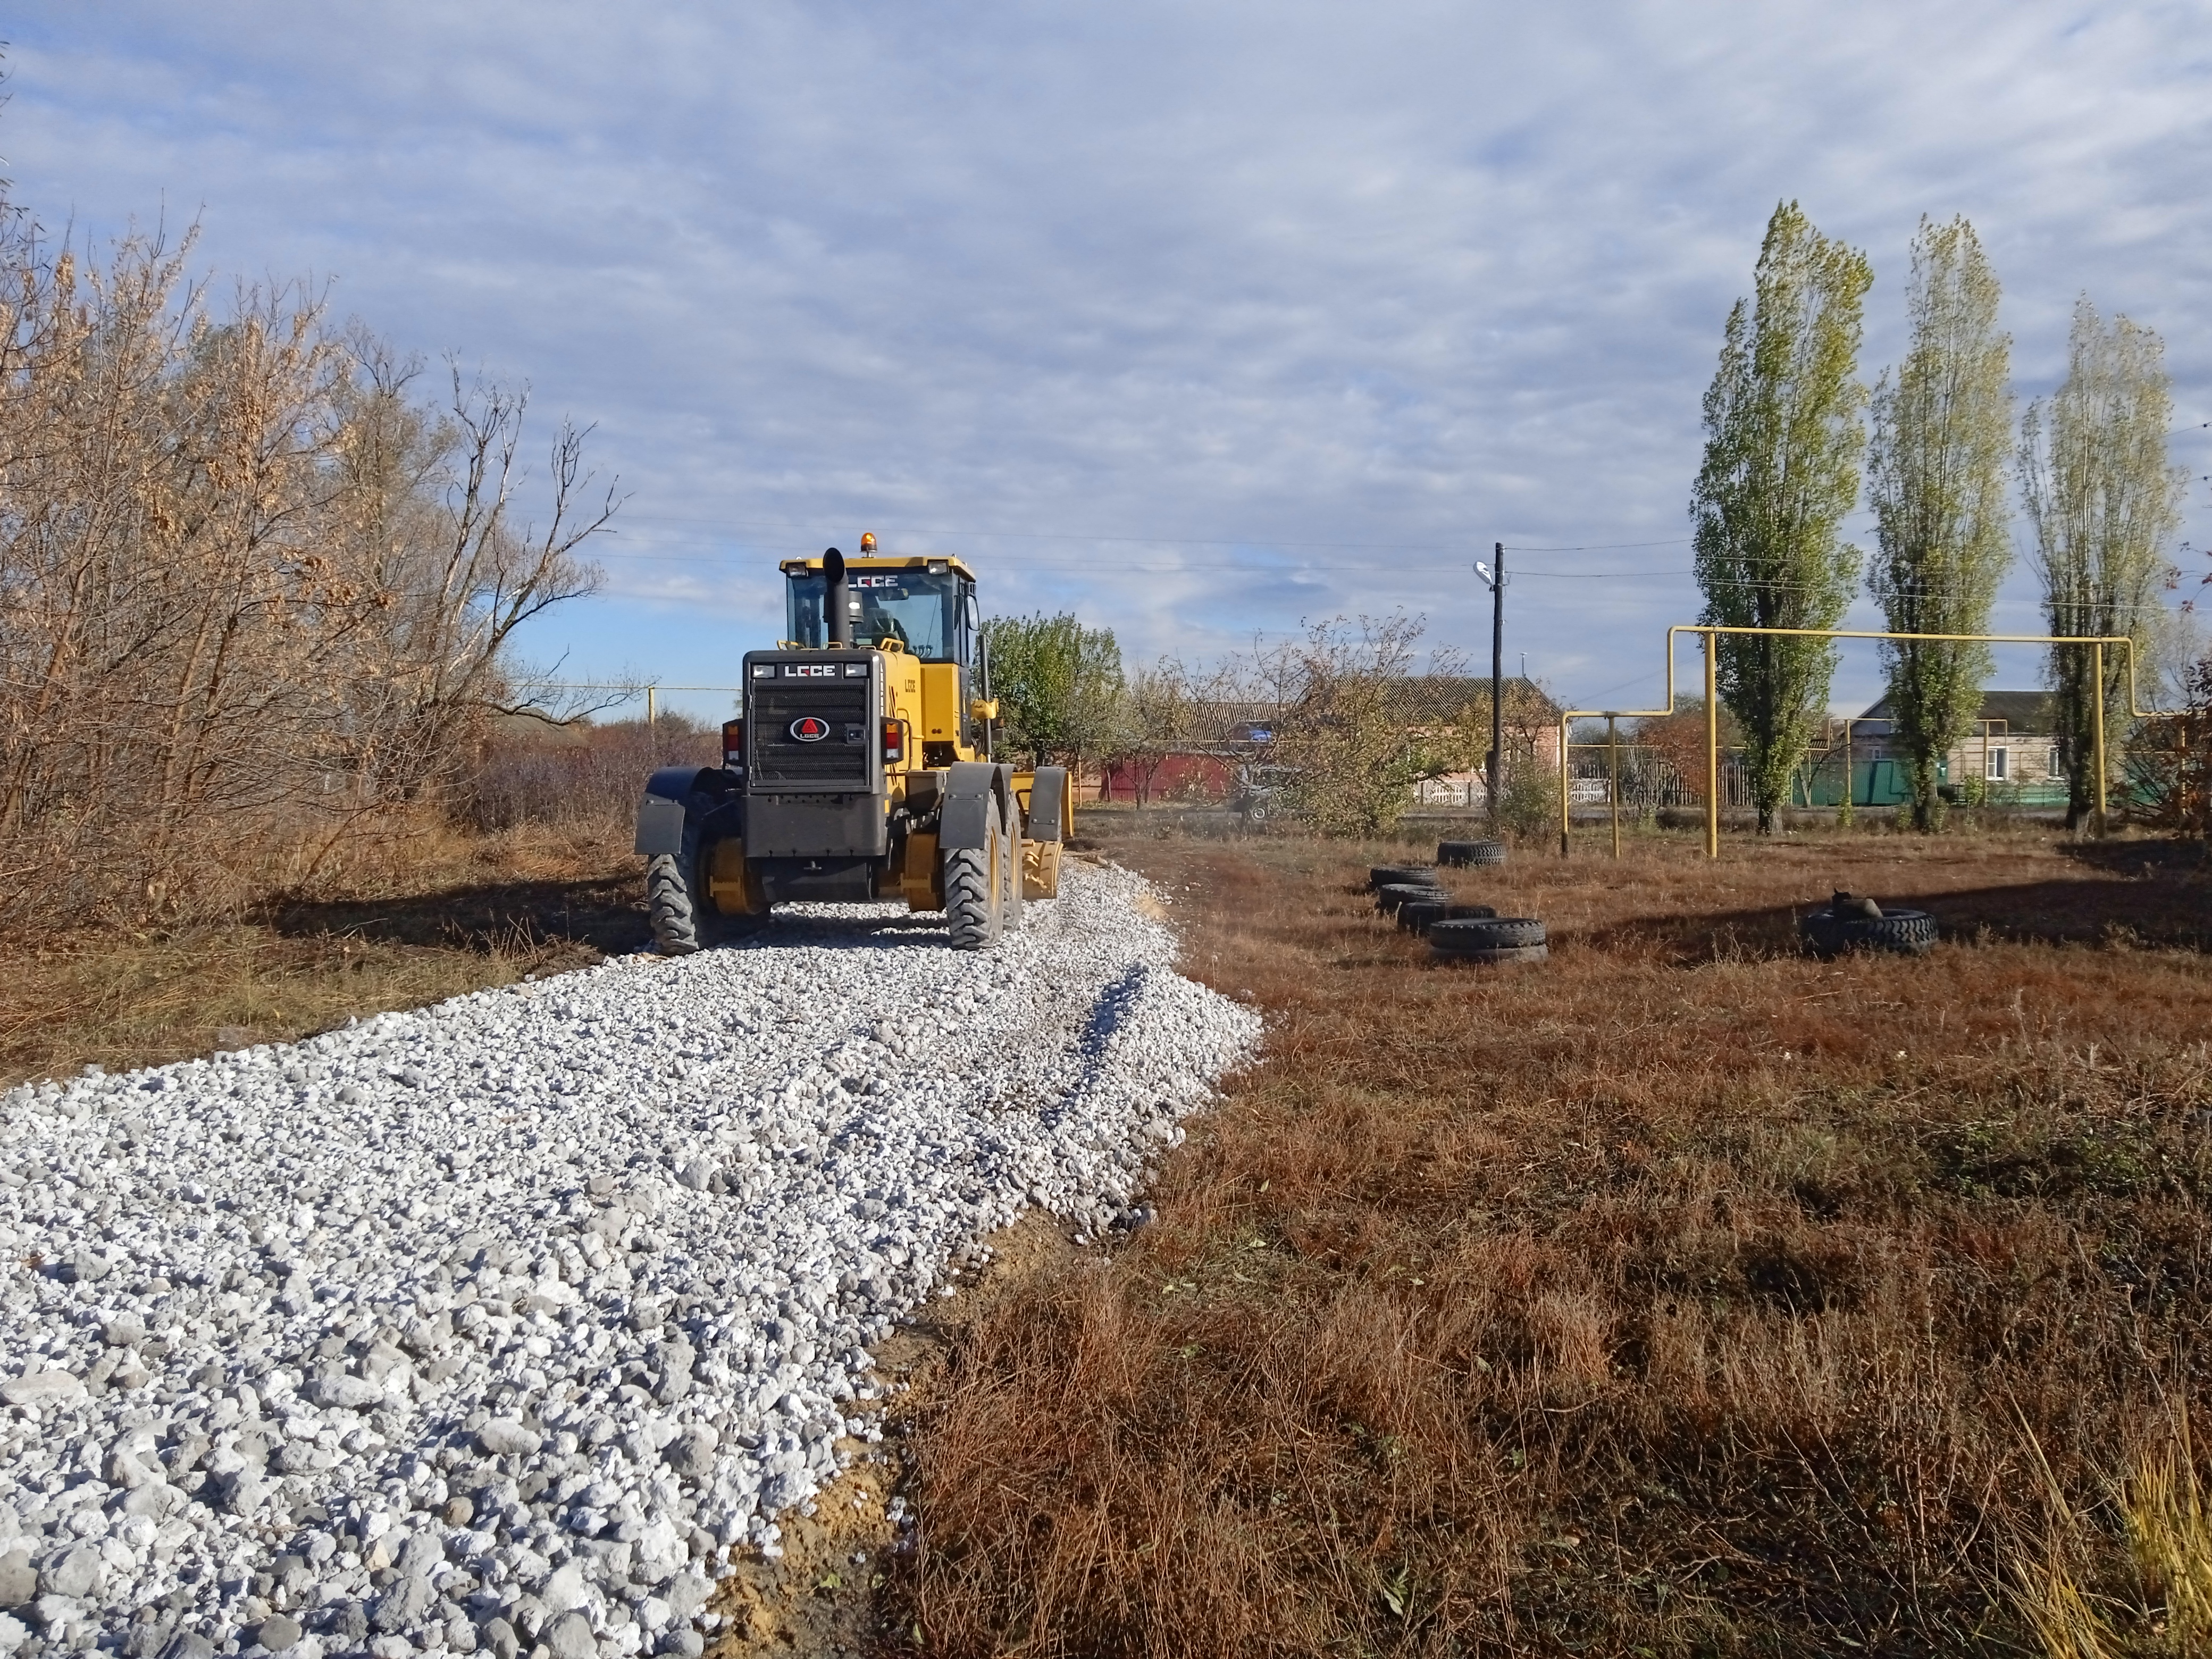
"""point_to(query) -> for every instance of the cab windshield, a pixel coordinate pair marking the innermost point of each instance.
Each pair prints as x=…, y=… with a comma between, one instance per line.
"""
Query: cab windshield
x=925, y=615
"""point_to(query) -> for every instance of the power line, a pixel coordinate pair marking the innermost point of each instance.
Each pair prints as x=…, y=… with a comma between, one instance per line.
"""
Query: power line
x=1054, y=535
x=1600, y=547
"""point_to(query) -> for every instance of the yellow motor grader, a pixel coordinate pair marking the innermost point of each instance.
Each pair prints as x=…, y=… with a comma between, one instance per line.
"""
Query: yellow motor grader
x=860, y=767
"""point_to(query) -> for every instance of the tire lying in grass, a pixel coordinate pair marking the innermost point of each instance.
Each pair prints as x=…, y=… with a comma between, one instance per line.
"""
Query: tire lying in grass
x=1390, y=895
x=1907, y=931
x=1417, y=916
x=1489, y=938
x=1391, y=875
x=1414, y=916
x=1470, y=851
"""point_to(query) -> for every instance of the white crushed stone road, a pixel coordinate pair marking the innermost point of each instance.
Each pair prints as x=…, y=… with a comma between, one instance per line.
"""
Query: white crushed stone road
x=498, y=1325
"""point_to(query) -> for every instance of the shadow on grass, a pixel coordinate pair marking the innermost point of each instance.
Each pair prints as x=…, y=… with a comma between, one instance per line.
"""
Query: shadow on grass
x=2188, y=861
x=2157, y=910
x=606, y=915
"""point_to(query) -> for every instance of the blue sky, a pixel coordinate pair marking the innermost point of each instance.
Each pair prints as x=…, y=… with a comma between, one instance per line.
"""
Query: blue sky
x=1201, y=320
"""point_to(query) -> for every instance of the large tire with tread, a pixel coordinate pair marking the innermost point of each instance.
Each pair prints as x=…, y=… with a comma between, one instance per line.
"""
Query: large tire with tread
x=1389, y=897
x=1482, y=938
x=975, y=886
x=1387, y=875
x=1415, y=915
x=1470, y=851
x=676, y=900
x=1906, y=932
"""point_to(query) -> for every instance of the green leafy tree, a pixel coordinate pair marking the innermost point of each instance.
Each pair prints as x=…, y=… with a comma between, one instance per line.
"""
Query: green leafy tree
x=1943, y=426
x=1058, y=685
x=1782, y=442
x=2103, y=501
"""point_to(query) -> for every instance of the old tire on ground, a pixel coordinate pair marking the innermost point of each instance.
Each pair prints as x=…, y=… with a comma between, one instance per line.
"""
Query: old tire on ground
x=974, y=880
x=1385, y=875
x=1475, y=934
x=1909, y=931
x=1470, y=851
x=1389, y=897
x=1414, y=916
x=676, y=900
x=1467, y=913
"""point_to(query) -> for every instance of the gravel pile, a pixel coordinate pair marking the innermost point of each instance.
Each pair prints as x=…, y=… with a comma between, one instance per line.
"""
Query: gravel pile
x=498, y=1325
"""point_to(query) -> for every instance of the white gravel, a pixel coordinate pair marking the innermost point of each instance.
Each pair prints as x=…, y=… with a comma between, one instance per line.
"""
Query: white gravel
x=499, y=1324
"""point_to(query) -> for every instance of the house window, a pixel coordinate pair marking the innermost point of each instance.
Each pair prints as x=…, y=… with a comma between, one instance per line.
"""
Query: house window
x=2056, y=765
x=1993, y=764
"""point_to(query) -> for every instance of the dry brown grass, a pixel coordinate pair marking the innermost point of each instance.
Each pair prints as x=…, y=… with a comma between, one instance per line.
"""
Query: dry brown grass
x=1685, y=1295
x=417, y=915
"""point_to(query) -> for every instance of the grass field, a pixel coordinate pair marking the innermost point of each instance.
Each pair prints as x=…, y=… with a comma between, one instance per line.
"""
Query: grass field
x=1682, y=1295
x=440, y=914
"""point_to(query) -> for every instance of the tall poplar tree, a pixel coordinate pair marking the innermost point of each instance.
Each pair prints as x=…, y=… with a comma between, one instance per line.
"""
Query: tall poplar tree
x=2103, y=501
x=1943, y=426
x=1783, y=444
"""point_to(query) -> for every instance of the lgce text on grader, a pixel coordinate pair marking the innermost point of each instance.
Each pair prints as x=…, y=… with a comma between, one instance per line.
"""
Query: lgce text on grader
x=860, y=768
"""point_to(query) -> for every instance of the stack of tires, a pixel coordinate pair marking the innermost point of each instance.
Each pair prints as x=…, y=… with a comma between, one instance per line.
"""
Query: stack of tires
x=1459, y=932
x=1489, y=938
x=1394, y=885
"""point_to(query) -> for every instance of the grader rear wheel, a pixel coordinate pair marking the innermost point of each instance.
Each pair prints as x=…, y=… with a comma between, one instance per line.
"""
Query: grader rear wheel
x=679, y=892
x=1011, y=860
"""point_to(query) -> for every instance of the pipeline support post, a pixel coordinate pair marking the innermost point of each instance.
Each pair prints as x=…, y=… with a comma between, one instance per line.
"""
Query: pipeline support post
x=1712, y=745
x=1566, y=786
x=1850, y=783
x=1613, y=760
x=2097, y=704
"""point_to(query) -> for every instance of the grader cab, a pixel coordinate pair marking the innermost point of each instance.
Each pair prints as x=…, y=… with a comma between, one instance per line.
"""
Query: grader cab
x=860, y=767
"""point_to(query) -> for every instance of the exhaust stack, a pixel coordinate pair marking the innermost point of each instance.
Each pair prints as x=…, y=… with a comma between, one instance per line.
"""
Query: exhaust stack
x=835, y=600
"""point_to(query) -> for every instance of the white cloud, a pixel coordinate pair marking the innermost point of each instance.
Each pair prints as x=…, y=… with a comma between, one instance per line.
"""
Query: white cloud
x=1247, y=283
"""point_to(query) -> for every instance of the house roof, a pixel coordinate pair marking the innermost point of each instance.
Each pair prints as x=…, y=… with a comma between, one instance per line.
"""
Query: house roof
x=1448, y=694
x=2025, y=713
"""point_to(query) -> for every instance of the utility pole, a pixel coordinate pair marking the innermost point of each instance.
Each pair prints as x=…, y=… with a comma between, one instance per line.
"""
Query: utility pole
x=1496, y=577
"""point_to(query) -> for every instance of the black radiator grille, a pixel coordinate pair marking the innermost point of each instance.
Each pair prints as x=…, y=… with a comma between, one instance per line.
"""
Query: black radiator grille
x=779, y=758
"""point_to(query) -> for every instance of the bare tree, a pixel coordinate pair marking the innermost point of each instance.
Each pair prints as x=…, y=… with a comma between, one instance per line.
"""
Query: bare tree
x=455, y=573
x=1356, y=727
x=247, y=585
